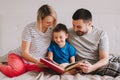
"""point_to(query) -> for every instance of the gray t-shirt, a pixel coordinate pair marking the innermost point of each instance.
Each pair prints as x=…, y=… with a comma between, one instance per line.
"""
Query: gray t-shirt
x=88, y=45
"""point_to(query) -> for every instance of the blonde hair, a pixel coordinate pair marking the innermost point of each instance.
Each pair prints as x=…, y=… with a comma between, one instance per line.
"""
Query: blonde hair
x=43, y=11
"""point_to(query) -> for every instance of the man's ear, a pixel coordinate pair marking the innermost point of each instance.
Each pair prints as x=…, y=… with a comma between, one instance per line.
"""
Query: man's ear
x=90, y=23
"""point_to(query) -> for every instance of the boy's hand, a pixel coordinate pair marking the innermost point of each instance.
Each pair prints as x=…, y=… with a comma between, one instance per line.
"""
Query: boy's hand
x=63, y=65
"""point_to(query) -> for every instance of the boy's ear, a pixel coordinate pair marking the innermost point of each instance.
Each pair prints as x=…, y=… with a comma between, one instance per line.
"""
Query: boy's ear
x=67, y=35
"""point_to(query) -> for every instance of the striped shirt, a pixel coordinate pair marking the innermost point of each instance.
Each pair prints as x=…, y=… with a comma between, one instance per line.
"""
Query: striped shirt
x=39, y=40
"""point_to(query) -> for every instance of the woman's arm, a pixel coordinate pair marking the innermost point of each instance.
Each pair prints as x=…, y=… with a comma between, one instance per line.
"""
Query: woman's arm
x=26, y=55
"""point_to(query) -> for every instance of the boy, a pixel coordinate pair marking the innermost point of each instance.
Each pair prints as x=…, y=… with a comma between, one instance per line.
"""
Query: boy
x=60, y=50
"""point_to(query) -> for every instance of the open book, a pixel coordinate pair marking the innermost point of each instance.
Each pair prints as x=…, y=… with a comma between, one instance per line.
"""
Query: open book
x=57, y=68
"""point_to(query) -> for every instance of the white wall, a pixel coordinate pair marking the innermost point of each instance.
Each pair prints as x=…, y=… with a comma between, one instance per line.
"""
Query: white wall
x=16, y=14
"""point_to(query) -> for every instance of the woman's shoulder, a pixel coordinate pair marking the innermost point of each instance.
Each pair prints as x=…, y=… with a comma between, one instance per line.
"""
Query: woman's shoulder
x=31, y=25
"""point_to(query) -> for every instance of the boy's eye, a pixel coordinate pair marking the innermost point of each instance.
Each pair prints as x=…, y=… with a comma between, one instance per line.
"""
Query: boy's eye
x=60, y=37
x=55, y=37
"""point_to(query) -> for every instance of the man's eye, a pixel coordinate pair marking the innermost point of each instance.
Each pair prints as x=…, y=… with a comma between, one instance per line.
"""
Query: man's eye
x=79, y=27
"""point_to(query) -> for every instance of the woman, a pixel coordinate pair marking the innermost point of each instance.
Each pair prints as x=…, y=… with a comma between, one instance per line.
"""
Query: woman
x=36, y=38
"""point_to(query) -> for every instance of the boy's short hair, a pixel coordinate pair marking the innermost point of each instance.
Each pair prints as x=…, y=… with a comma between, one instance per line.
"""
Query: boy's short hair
x=60, y=27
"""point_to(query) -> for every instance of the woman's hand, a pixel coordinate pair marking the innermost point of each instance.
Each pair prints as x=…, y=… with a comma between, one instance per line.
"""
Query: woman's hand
x=40, y=64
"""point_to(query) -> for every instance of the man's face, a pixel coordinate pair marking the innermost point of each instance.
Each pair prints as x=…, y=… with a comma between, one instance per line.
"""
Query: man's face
x=80, y=27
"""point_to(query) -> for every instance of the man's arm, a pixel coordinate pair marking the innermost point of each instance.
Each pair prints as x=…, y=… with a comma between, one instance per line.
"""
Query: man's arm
x=103, y=51
x=104, y=58
x=103, y=55
x=88, y=67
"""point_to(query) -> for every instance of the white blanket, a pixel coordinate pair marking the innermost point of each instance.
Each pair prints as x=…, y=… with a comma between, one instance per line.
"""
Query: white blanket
x=46, y=76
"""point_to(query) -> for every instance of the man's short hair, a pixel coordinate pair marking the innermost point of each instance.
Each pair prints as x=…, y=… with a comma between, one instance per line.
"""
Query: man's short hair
x=82, y=14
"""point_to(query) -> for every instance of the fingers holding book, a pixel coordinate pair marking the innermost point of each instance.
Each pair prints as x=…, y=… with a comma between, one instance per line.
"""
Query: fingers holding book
x=85, y=67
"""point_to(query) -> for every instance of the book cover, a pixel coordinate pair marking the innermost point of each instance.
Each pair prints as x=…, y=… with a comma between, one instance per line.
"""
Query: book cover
x=57, y=68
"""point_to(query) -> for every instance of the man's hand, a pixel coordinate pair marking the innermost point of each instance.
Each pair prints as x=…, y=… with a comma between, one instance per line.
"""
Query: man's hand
x=86, y=67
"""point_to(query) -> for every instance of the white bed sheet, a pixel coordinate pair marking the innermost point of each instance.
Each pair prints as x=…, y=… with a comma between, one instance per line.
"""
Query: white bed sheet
x=46, y=76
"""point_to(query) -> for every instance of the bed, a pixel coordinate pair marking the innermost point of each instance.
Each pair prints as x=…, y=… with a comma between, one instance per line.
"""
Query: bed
x=46, y=76
x=50, y=76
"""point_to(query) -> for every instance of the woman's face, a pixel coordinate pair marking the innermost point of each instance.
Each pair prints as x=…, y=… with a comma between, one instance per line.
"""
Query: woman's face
x=48, y=21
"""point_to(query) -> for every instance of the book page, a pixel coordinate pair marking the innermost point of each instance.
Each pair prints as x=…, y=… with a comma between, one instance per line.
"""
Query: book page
x=71, y=66
x=74, y=65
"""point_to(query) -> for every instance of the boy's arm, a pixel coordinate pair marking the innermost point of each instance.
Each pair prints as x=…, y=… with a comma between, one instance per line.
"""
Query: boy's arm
x=72, y=59
x=50, y=55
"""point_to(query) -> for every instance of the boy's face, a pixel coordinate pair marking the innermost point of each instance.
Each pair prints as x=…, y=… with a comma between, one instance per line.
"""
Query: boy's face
x=60, y=38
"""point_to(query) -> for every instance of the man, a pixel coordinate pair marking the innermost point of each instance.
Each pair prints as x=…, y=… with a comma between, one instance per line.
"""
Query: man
x=91, y=44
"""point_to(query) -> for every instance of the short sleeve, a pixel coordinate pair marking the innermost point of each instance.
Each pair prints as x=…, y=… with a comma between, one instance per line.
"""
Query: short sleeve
x=72, y=51
x=104, y=42
x=50, y=48
x=26, y=34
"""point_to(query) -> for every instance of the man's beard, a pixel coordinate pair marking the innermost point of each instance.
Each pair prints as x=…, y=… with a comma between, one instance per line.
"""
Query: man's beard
x=80, y=33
